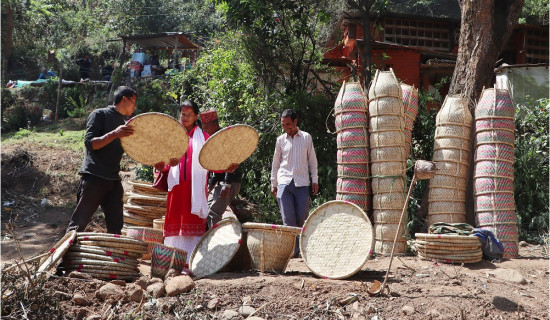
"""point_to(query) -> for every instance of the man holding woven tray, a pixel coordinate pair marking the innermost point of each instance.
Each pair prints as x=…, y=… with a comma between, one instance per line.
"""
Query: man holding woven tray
x=223, y=186
x=100, y=183
x=294, y=158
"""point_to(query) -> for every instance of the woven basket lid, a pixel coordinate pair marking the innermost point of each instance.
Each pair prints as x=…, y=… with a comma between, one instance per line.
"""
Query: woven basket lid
x=446, y=237
x=157, y=138
x=232, y=144
x=216, y=248
x=56, y=252
x=267, y=226
x=337, y=239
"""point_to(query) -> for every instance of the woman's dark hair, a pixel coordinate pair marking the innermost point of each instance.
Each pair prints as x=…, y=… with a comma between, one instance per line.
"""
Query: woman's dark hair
x=123, y=91
x=191, y=104
x=289, y=113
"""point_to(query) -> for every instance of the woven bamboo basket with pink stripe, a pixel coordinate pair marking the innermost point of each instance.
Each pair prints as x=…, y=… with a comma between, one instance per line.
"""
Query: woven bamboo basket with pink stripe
x=452, y=145
x=149, y=235
x=352, y=138
x=350, y=110
x=494, y=203
x=358, y=171
x=389, y=154
x=410, y=104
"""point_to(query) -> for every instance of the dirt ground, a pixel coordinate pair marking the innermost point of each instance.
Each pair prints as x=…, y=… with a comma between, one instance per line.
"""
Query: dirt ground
x=419, y=289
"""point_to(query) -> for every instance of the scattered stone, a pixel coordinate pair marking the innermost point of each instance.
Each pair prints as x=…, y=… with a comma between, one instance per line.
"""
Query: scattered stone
x=171, y=274
x=371, y=309
x=456, y=282
x=121, y=283
x=433, y=314
x=355, y=306
x=523, y=244
x=213, y=304
x=199, y=307
x=179, y=284
x=80, y=300
x=142, y=282
x=509, y=275
x=245, y=310
x=134, y=292
x=81, y=313
x=230, y=315
x=154, y=280
x=110, y=291
x=94, y=317
x=246, y=300
x=156, y=290
x=80, y=275
x=407, y=310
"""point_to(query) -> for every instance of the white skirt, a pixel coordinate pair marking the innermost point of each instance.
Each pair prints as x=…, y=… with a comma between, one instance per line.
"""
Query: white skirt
x=185, y=243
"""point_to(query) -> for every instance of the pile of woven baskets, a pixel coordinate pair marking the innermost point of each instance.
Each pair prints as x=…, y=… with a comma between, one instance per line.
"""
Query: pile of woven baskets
x=448, y=248
x=105, y=256
x=495, y=207
x=144, y=204
x=389, y=160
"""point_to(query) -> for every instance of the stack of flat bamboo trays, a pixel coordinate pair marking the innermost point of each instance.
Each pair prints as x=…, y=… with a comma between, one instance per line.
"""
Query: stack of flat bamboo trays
x=105, y=256
x=388, y=161
x=495, y=206
x=143, y=205
x=452, y=154
x=350, y=111
x=448, y=248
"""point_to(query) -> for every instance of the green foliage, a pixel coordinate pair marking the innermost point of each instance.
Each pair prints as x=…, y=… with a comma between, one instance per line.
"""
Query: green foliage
x=76, y=102
x=154, y=95
x=144, y=173
x=535, y=12
x=531, y=169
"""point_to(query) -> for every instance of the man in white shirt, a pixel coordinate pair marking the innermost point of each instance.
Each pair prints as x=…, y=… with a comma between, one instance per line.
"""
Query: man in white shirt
x=293, y=163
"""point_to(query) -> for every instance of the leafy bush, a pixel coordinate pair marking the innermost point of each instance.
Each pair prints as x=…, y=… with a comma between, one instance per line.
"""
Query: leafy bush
x=531, y=169
x=14, y=117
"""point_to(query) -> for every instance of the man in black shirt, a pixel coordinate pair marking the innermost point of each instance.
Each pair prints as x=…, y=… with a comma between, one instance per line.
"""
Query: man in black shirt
x=223, y=187
x=100, y=183
x=85, y=65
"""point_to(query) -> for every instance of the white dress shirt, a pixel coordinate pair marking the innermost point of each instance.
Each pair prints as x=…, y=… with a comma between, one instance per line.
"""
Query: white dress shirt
x=292, y=159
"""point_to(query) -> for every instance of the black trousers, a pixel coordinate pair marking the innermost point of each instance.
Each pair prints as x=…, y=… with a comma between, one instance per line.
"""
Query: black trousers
x=94, y=192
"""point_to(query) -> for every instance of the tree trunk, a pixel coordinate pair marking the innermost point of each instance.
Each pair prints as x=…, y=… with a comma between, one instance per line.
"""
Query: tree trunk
x=367, y=43
x=486, y=26
x=7, y=32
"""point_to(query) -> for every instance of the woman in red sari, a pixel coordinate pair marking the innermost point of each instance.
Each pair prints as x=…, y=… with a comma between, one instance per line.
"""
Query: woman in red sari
x=187, y=206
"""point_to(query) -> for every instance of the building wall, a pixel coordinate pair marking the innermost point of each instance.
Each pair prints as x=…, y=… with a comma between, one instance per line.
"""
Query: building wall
x=405, y=63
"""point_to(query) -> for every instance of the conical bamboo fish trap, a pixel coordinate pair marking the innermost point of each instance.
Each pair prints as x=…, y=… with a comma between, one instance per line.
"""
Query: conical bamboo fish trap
x=452, y=146
x=388, y=158
x=494, y=203
x=350, y=110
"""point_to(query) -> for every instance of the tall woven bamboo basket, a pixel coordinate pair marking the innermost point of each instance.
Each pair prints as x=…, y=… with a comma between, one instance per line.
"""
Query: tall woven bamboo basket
x=410, y=105
x=494, y=203
x=388, y=159
x=350, y=111
x=452, y=144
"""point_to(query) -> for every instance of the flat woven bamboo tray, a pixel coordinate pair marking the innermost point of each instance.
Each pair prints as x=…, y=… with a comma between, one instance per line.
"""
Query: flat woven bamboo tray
x=216, y=248
x=75, y=255
x=119, y=253
x=56, y=252
x=232, y=144
x=452, y=238
x=337, y=239
x=157, y=138
x=145, y=188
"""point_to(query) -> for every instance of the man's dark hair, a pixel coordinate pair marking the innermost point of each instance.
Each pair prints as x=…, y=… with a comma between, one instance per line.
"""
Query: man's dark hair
x=123, y=91
x=289, y=113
